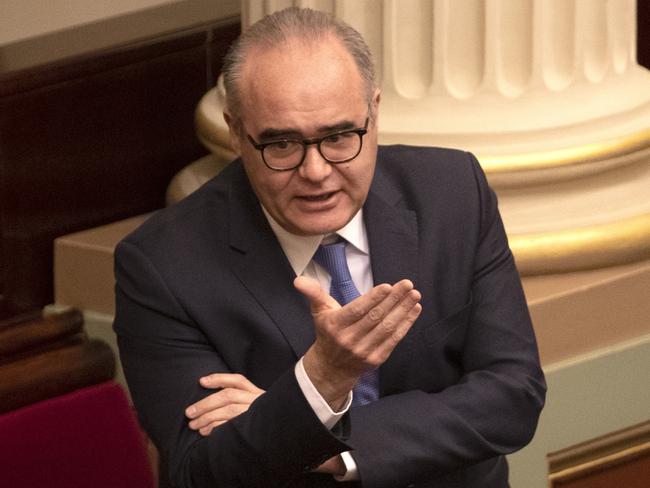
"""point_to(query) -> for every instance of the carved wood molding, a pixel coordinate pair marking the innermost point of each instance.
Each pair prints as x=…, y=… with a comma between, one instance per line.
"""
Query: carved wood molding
x=44, y=357
x=599, y=454
x=20, y=337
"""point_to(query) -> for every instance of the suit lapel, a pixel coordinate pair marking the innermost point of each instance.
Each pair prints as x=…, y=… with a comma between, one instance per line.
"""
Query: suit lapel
x=261, y=266
x=393, y=238
x=392, y=235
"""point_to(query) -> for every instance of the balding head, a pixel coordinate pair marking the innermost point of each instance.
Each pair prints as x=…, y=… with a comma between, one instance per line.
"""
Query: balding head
x=285, y=27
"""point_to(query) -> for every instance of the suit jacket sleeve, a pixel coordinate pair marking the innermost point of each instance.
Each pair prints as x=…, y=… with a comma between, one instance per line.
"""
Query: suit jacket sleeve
x=494, y=388
x=164, y=354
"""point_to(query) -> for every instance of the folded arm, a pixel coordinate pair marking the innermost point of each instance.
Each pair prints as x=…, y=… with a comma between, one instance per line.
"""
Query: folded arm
x=164, y=354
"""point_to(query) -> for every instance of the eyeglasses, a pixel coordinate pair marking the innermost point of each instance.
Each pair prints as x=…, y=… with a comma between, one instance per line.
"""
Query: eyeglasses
x=335, y=148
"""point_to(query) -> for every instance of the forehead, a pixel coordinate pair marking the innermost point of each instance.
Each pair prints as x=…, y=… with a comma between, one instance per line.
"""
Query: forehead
x=297, y=80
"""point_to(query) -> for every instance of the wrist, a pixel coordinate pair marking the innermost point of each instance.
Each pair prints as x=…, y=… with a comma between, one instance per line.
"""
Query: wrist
x=333, y=387
x=334, y=466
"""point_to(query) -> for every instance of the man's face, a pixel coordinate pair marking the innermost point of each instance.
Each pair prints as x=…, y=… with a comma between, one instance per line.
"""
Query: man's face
x=298, y=91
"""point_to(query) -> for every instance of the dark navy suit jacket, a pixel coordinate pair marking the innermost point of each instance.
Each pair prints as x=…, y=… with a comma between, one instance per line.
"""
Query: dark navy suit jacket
x=205, y=287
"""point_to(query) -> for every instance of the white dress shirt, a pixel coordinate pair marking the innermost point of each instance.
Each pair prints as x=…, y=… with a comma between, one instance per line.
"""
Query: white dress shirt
x=299, y=251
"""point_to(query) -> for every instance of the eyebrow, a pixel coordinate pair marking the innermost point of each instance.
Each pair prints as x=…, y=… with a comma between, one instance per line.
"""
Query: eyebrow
x=290, y=133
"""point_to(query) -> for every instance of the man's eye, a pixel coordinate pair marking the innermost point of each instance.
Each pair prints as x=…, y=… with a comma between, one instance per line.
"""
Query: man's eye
x=283, y=149
x=333, y=139
x=340, y=138
x=280, y=145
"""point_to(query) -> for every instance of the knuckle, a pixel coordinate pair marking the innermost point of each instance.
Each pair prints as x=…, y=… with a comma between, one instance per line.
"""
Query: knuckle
x=357, y=311
x=388, y=324
x=406, y=305
x=331, y=327
x=347, y=345
x=344, y=339
x=232, y=410
x=199, y=409
x=376, y=313
x=414, y=313
x=398, y=335
x=205, y=420
x=375, y=360
x=381, y=291
x=360, y=353
x=385, y=354
x=373, y=363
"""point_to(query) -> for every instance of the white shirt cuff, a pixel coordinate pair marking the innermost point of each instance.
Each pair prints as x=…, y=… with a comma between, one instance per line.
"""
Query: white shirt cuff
x=327, y=416
x=321, y=408
x=351, y=473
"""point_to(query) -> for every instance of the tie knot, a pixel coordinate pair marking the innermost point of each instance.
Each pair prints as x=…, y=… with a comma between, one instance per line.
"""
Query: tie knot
x=332, y=258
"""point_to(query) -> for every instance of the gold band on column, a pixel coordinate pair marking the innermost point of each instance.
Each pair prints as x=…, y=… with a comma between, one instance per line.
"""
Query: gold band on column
x=584, y=154
x=583, y=248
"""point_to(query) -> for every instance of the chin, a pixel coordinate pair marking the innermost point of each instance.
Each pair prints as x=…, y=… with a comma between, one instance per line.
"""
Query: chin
x=320, y=228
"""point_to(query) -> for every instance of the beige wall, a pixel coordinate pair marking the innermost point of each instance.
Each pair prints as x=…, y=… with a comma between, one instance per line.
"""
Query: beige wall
x=34, y=32
x=23, y=19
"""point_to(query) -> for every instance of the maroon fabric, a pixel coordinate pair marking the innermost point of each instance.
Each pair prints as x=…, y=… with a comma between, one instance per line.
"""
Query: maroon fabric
x=87, y=438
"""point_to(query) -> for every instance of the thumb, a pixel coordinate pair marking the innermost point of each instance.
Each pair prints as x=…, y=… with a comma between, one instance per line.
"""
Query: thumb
x=318, y=299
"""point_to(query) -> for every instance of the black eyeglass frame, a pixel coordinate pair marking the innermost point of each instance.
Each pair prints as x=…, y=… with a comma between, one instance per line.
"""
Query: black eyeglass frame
x=361, y=131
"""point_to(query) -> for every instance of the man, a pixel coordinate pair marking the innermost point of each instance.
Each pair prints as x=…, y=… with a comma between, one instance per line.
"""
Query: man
x=246, y=372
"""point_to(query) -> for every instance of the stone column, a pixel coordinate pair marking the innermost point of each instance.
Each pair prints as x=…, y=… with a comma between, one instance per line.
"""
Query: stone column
x=546, y=93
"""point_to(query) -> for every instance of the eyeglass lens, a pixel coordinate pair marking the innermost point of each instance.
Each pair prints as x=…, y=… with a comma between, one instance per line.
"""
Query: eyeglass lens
x=335, y=148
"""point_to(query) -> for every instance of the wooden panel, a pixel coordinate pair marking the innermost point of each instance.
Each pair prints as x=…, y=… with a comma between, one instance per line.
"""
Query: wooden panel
x=22, y=338
x=643, y=33
x=619, y=459
x=55, y=372
x=93, y=140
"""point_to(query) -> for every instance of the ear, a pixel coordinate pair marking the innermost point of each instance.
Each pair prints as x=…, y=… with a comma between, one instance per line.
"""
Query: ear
x=233, y=132
x=376, y=98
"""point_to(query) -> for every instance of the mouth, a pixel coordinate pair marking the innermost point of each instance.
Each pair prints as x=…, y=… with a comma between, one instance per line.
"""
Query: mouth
x=318, y=202
x=321, y=197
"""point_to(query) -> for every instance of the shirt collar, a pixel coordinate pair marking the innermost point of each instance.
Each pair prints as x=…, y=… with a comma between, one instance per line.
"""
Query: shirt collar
x=300, y=249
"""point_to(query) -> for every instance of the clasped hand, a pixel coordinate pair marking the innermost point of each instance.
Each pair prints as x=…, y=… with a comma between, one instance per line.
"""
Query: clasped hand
x=234, y=396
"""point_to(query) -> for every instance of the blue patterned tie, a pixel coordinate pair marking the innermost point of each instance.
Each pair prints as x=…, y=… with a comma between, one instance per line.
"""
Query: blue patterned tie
x=332, y=258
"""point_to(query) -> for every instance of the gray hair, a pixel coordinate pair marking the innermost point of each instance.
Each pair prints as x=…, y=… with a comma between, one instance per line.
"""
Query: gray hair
x=293, y=23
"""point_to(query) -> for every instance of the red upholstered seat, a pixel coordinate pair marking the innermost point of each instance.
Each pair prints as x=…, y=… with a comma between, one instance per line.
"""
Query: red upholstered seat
x=87, y=438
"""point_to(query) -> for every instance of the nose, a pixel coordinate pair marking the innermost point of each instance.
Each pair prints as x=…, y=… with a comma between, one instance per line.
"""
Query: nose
x=314, y=168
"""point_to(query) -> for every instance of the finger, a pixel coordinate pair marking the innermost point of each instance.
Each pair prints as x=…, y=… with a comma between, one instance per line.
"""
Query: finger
x=414, y=313
x=377, y=338
x=222, y=414
x=318, y=299
x=358, y=308
x=219, y=400
x=387, y=338
x=369, y=313
x=399, y=306
x=228, y=380
x=398, y=322
x=392, y=324
x=205, y=431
